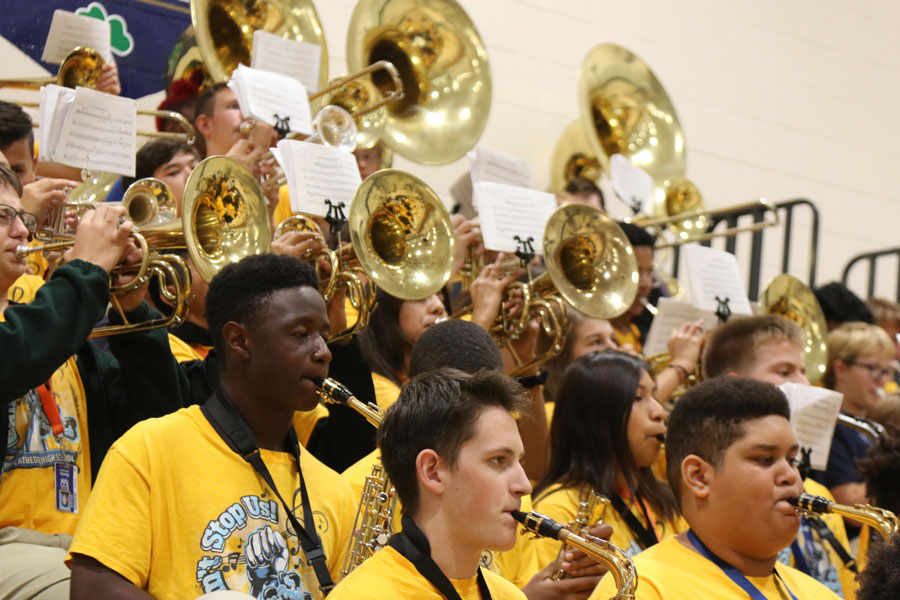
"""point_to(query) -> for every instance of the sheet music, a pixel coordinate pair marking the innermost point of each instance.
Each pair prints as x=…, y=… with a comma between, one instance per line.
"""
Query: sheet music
x=712, y=273
x=506, y=211
x=631, y=183
x=814, y=413
x=487, y=164
x=99, y=133
x=262, y=95
x=55, y=102
x=292, y=58
x=316, y=173
x=672, y=314
x=68, y=30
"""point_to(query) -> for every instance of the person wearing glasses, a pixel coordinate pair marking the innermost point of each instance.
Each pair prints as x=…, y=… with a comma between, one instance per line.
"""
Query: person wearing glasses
x=63, y=401
x=860, y=363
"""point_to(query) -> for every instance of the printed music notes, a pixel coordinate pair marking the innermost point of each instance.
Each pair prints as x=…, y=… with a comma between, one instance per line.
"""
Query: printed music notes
x=68, y=30
x=507, y=211
x=292, y=58
x=271, y=97
x=670, y=315
x=88, y=129
x=316, y=173
x=814, y=413
x=713, y=273
x=487, y=164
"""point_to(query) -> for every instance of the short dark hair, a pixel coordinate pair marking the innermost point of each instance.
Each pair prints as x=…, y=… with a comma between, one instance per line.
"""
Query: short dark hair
x=455, y=344
x=588, y=435
x=583, y=185
x=880, y=469
x=637, y=236
x=732, y=347
x=242, y=290
x=710, y=417
x=15, y=124
x=841, y=305
x=880, y=580
x=438, y=410
x=155, y=154
x=206, y=101
x=9, y=179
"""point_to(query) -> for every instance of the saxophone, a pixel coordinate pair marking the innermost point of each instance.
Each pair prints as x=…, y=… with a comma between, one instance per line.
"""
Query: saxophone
x=883, y=521
x=587, y=504
x=602, y=551
x=373, y=525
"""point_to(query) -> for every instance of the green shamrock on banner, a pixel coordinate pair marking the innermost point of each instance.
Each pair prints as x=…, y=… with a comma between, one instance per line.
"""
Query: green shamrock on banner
x=121, y=42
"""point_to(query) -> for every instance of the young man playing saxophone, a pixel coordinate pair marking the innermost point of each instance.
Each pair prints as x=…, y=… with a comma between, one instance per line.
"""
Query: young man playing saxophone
x=732, y=461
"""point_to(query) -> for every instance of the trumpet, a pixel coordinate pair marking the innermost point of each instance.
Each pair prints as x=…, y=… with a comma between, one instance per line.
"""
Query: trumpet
x=883, y=521
x=602, y=551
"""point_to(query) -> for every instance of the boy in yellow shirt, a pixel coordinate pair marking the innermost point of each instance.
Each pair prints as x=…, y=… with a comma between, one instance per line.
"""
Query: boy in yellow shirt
x=221, y=497
x=731, y=459
x=769, y=348
x=451, y=448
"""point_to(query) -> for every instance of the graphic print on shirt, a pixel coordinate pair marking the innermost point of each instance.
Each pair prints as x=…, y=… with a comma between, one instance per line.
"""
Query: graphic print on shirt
x=30, y=442
x=817, y=559
x=250, y=547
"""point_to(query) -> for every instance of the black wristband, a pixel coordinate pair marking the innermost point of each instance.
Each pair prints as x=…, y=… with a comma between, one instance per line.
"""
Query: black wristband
x=532, y=380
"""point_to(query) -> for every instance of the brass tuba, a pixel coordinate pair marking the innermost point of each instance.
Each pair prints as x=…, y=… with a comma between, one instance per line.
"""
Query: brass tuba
x=444, y=67
x=373, y=525
x=80, y=67
x=883, y=521
x=590, y=265
x=602, y=551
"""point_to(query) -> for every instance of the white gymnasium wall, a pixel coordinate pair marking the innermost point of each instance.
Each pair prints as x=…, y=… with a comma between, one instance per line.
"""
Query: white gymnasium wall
x=778, y=99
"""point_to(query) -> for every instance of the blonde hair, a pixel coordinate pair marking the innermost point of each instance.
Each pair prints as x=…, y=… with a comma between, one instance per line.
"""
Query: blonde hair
x=887, y=411
x=850, y=341
x=883, y=310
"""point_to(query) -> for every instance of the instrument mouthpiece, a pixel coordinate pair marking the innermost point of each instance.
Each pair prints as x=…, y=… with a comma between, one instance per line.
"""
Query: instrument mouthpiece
x=810, y=503
x=318, y=381
x=661, y=437
x=537, y=523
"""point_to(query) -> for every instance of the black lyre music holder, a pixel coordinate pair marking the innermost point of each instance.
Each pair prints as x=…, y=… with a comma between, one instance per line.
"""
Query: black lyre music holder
x=723, y=311
x=282, y=126
x=804, y=465
x=335, y=217
x=525, y=250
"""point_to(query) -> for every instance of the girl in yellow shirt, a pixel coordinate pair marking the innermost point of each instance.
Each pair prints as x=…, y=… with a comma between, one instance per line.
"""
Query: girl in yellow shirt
x=606, y=435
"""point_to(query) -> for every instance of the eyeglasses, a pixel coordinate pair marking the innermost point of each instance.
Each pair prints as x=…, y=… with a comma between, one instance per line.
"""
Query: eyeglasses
x=876, y=372
x=8, y=216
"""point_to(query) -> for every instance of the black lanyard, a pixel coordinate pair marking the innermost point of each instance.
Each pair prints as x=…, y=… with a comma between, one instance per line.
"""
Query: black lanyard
x=412, y=544
x=231, y=427
x=646, y=537
x=733, y=574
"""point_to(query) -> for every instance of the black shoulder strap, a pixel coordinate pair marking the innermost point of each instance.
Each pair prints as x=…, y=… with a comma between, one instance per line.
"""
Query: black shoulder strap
x=412, y=544
x=234, y=431
x=826, y=534
x=646, y=537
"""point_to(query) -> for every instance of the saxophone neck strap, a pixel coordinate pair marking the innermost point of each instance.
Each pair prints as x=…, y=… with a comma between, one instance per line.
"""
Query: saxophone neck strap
x=412, y=544
x=645, y=535
x=234, y=431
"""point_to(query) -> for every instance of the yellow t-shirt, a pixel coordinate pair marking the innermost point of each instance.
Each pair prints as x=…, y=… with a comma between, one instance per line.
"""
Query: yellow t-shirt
x=561, y=505
x=387, y=574
x=305, y=422
x=386, y=391
x=179, y=514
x=630, y=338
x=516, y=565
x=30, y=496
x=181, y=350
x=829, y=569
x=671, y=571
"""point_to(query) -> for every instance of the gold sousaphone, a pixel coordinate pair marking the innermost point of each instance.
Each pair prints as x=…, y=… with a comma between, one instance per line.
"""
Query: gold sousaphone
x=444, y=67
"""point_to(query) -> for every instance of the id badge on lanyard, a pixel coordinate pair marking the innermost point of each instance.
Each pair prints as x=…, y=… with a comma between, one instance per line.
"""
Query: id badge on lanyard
x=65, y=473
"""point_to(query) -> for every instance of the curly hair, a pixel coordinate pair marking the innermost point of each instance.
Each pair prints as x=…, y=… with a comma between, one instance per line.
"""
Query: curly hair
x=880, y=580
x=241, y=291
x=880, y=469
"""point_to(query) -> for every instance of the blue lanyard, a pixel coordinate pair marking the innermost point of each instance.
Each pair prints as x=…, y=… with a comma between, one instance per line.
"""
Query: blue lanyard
x=732, y=573
x=807, y=553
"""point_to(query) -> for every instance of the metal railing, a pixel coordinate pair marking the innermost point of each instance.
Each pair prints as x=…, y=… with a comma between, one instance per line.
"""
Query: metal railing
x=786, y=214
x=872, y=258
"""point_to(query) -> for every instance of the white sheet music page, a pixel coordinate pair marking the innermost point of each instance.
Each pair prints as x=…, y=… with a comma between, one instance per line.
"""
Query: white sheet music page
x=55, y=102
x=814, y=413
x=316, y=173
x=292, y=58
x=507, y=211
x=263, y=95
x=631, y=183
x=714, y=273
x=672, y=314
x=68, y=30
x=100, y=133
x=487, y=164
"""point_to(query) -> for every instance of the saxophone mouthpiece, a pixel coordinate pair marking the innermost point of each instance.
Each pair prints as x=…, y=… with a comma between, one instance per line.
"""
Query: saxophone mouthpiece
x=810, y=503
x=319, y=382
x=537, y=523
x=661, y=437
